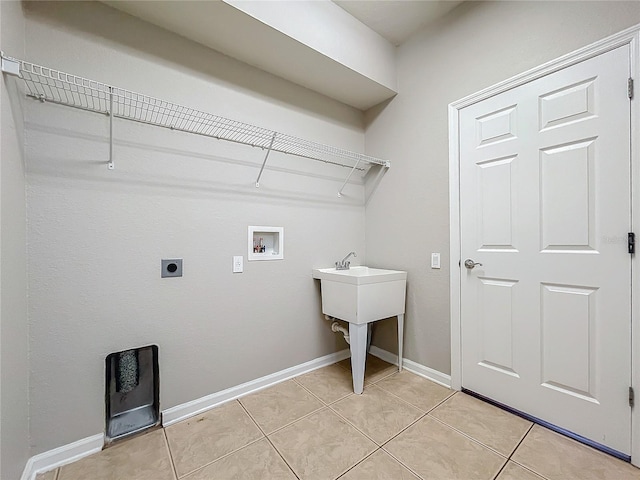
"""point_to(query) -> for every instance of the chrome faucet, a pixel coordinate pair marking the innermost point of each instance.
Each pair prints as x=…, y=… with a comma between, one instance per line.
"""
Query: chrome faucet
x=344, y=264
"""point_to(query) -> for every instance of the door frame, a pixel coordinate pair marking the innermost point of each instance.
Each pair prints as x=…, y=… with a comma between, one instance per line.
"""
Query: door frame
x=631, y=37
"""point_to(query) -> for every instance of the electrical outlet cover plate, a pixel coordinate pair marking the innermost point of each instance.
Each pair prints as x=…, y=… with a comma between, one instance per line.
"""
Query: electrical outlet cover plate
x=237, y=264
x=171, y=267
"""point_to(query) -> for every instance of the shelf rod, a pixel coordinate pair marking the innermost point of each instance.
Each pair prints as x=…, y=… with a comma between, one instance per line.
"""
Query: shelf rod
x=111, y=115
x=265, y=159
x=348, y=177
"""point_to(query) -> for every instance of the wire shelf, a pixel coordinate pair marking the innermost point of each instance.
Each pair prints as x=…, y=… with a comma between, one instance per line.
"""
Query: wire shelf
x=49, y=85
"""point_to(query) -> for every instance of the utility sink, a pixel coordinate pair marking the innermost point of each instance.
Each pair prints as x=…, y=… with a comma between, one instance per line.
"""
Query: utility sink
x=362, y=294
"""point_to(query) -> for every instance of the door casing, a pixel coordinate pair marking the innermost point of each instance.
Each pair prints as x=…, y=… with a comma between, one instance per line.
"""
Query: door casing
x=631, y=37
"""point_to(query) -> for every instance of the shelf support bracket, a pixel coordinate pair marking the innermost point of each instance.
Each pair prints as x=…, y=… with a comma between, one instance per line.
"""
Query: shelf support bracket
x=110, y=164
x=265, y=159
x=10, y=65
x=348, y=177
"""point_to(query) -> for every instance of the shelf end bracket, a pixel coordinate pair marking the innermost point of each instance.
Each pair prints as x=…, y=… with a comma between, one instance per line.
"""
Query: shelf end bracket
x=265, y=159
x=10, y=65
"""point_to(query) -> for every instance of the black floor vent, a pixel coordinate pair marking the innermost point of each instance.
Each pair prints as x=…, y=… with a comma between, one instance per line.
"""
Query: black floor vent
x=132, y=392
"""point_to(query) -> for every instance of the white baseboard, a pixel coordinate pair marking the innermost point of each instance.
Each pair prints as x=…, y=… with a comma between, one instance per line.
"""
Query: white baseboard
x=388, y=357
x=66, y=454
x=428, y=373
x=413, y=367
x=74, y=451
x=57, y=457
x=195, y=407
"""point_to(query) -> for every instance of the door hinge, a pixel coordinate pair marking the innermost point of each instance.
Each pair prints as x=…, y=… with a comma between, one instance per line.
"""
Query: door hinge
x=631, y=397
x=631, y=242
x=630, y=88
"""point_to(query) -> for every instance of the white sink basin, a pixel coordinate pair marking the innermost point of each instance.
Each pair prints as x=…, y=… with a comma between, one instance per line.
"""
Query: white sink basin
x=362, y=294
x=359, y=275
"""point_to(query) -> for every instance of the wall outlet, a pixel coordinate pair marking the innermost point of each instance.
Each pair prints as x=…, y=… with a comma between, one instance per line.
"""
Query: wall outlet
x=435, y=260
x=171, y=267
x=238, y=264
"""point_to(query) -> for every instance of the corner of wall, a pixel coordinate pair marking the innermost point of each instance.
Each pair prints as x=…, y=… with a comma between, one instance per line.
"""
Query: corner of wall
x=14, y=334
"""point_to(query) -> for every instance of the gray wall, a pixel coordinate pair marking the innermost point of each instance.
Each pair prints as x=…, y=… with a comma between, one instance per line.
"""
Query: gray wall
x=14, y=359
x=96, y=237
x=477, y=45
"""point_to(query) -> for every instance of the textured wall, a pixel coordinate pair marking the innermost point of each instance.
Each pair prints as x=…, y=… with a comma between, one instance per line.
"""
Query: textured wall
x=14, y=354
x=96, y=237
x=477, y=45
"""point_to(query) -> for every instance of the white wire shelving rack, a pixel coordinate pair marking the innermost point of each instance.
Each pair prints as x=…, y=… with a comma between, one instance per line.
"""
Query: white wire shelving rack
x=50, y=85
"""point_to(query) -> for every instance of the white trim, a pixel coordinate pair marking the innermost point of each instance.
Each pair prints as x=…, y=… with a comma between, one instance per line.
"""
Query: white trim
x=66, y=454
x=388, y=357
x=635, y=271
x=428, y=373
x=195, y=407
x=413, y=367
x=60, y=456
x=631, y=37
x=454, y=247
x=624, y=37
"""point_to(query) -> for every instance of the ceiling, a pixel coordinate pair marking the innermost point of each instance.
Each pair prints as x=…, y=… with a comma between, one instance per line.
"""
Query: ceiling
x=397, y=20
x=343, y=49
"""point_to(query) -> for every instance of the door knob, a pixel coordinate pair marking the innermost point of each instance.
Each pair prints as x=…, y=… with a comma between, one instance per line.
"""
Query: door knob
x=470, y=264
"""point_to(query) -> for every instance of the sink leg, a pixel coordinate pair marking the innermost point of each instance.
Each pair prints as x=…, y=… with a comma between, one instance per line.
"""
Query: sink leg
x=358, y=344
x=400, y=340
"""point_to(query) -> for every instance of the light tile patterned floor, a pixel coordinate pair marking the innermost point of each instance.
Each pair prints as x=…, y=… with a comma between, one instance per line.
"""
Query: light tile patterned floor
x=313, y=427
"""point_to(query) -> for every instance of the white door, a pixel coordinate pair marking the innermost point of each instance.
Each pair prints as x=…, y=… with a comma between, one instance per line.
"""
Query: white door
x=545, y=208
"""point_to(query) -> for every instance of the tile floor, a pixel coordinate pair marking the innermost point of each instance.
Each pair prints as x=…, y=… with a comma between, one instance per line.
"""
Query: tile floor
x=313, y=427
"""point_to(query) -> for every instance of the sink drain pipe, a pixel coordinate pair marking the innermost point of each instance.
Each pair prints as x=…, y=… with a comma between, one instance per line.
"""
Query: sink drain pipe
x=336, y=327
